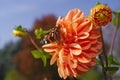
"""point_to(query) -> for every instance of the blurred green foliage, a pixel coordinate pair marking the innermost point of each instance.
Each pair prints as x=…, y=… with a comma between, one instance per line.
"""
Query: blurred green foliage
x=91, y=75
x=6, y=56
x=13, y=74
x=116, y=19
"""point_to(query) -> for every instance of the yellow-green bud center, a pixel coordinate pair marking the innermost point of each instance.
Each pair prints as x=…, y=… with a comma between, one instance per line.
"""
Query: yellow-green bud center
x=101, y=16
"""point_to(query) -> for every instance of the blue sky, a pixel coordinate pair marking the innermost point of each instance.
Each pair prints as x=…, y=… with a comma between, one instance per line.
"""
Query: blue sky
x=24, y=12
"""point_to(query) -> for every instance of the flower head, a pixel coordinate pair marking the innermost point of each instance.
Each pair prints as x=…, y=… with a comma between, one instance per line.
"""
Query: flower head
x=100, y=15
x=78, y=46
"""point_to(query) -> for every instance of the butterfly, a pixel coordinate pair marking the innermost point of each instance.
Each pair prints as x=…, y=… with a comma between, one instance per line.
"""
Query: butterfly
x=52, y=36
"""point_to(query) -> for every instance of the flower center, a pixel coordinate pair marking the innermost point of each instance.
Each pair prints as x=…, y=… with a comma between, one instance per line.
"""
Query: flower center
x=101, y=16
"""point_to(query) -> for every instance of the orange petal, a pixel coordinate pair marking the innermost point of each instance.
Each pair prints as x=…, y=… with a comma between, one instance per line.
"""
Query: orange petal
x=69, y=15
x=60, y=54
x=83, y=59
x=84, y=26
x=73, y=63
x=58, y=21
x=83, y=35
x=85, y=45
x=78, y=15
x=75, y=45
x=93, y=62
x=75, y=49
x=67, y=71
x=94, y=36
x=82, y=68
x=93, y=52
x=50, y=47
x=54, y=58
x=50, y=50
x=61, y=71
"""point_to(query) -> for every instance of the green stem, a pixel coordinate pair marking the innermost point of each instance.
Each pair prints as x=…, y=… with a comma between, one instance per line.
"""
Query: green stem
x=103, y=47
x=102, y=63
x=114, y=34
x=105, y=55
x=33, y=42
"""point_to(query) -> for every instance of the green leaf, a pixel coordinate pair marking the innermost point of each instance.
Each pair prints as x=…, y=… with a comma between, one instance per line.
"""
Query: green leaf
x=114, y=21
x=36, y=54
x=117, y=15
x=44, y=59
x=41, y=54
x=40, y=33
x=98, y=3
x=112, y=60
x=21, y=29
x=98, y=62
x=112, y=70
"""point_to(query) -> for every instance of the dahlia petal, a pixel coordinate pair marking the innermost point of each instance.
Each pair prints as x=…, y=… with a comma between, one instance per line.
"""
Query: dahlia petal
x=83, y=35
x=75, y=52
x=73, y=71
x=79, y=14
x=85, y=45
x=73, y=63
x=93, y=52
x=79, y=20
x=69, y=15
x=85, y=27
x=75, y=49
x=82, y=68
x=93, y=62
x=61, y=70
x=86, y=55
x=54, y=58
x=75, y=27
x=67, y=71
x=51, y=45
x=85, y=42
x=85, y=66
x=89, y=29
x=94, y=41
x=50, y=50
x=94, y=36
x=60, y=54
x=75, y=45
x=83, y=59
x=58, y=21
x=98, y=46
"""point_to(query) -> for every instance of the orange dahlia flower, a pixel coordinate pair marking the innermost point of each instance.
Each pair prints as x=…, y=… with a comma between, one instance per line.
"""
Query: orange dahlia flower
x=100, y=15
x=78, y=46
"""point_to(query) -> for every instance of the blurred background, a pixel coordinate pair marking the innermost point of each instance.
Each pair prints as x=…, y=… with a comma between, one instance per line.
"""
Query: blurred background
x=16, y=61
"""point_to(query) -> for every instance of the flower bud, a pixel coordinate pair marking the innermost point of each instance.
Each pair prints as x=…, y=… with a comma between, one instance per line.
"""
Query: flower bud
x=19, y=33
x=100, y=15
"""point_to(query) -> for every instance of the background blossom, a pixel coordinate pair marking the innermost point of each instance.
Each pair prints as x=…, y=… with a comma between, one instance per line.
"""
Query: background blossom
x=78, y=46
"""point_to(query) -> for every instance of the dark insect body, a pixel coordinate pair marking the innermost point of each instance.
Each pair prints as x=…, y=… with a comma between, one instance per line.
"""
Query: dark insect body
x=52, y=36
